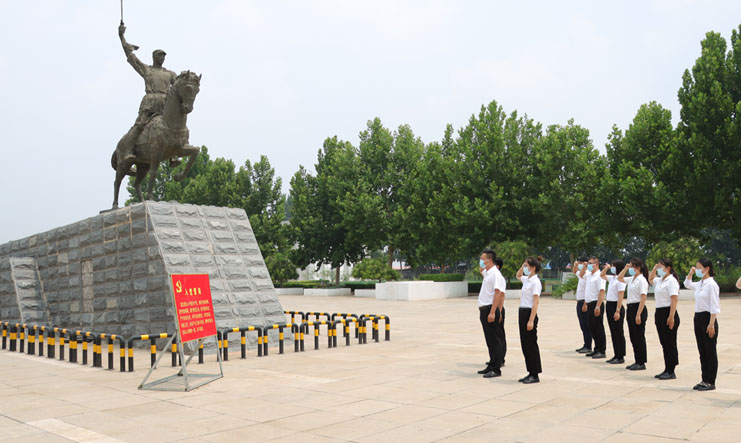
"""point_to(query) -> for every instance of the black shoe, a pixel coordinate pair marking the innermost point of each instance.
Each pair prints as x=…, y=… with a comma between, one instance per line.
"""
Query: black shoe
x=617, y=361
x=493, y=373
x=599, y=355
x=523, y=378
x=584, y=350
x=704, y=387
x=485, y=370
x=531, y=379
x=589, y=354
x=659, y=375
x=667, y=376
x=611, y=360
x=637, y=367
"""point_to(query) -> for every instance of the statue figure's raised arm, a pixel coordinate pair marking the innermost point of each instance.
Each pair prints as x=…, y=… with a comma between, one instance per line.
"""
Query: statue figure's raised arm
x=129, y=49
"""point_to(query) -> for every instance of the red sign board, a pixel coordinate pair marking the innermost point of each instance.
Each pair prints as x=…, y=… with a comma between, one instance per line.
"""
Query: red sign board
x=195, y=310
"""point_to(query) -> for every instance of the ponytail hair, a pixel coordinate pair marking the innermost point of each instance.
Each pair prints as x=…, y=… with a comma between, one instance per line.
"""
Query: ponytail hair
x=667, y=262
x=642, y=268
x=534, y=262
x=707, y=263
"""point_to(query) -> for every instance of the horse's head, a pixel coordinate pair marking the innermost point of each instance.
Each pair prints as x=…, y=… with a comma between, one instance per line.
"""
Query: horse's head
x=187, y=85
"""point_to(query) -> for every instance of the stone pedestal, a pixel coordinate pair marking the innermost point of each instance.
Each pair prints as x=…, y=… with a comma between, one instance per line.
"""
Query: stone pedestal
x=110, y=273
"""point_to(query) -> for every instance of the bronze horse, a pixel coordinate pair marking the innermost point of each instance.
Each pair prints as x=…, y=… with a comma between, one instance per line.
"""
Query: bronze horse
x=164, y=137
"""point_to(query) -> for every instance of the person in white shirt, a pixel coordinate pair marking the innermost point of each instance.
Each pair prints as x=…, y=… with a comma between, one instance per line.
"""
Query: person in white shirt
x=499, y=263
x=637, y=314
x=666, y=293
x=615, y=310
x=489, y=299
x=707, y=308
x=528, y=318
x=579, y=267
x=594, y=295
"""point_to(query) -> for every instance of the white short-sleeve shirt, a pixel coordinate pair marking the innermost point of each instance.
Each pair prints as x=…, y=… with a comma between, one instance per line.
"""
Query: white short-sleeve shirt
x=664, y=288
x=581, y=286
x=707, y=295
x=636, y=285
x=531, y=286
x=492, y=281
x=595, y=284
x=614, y=288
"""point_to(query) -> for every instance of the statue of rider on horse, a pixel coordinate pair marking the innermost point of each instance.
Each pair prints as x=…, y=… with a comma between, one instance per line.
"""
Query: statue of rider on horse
x=159, y=132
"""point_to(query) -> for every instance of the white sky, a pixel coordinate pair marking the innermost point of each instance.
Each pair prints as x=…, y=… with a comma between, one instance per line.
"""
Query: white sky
x=281, y=76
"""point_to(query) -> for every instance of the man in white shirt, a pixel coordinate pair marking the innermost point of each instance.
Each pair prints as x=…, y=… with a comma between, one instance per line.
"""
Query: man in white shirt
x=499, y=263
x=579, y=269
x=594, y=295
x=489, y=300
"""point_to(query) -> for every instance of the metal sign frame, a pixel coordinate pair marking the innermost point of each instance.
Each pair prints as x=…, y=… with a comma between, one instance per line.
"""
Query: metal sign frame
x=181, y=381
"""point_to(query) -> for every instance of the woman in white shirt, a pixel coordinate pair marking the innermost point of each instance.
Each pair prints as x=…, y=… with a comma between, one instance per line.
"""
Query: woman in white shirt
x=637, y=314
x=528, y=317
x=615, y=310
x=666, y=293
x=707, y=307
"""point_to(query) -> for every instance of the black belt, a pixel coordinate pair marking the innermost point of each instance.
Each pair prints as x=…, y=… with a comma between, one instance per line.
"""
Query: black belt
x=481, y=308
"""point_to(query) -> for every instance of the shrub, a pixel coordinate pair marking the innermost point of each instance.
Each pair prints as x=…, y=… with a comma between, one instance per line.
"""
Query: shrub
x=306, y=284
x=359, y=285
x=727, y=279
x=570, y=285
x=442, y=277
x=474, y=286
x=280, y=268
x=375, y=269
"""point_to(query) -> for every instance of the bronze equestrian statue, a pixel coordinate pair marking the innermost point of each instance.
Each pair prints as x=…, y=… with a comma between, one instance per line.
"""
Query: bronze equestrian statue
x=160, y=132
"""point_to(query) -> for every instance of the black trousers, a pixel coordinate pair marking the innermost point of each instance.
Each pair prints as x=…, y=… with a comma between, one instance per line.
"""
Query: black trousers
x=584, y=324
x=667, y=338
x=597, y=326
x=616, y=329
x=637, y=332
x=707, y=347
x=529, y=342
x=494, y=339
x=504, y=335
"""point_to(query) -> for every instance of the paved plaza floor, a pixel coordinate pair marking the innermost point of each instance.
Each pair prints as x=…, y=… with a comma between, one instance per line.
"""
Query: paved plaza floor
x=421, y=386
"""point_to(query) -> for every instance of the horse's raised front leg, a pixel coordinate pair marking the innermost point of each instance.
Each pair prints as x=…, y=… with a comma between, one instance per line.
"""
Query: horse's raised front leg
x=187, y=151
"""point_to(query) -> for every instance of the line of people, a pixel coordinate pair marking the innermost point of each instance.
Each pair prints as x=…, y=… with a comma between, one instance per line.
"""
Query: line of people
x=600, y=291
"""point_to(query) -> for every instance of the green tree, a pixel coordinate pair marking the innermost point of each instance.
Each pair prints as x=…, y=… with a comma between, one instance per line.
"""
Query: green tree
x=258, y=191
x=513, y=254
x=280, y=267
x=565, y=187
x=683, y=252
x=710, y=135
x=317, y=221
x=642, y=192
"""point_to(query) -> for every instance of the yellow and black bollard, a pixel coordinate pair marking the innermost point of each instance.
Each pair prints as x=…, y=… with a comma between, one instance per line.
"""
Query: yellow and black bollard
x=13, y=337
